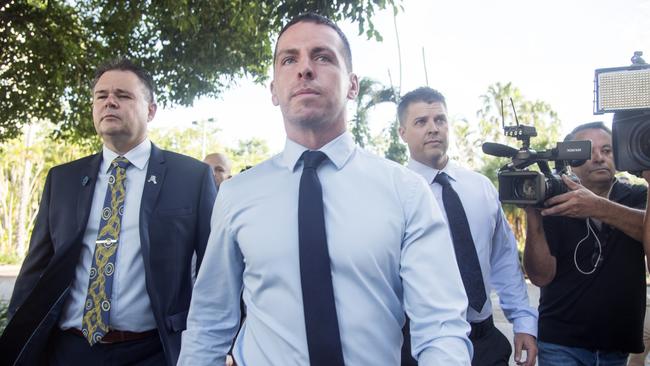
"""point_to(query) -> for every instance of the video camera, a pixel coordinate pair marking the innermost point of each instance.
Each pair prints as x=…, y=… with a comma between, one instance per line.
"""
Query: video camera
x=518, y=185
x=626, y=91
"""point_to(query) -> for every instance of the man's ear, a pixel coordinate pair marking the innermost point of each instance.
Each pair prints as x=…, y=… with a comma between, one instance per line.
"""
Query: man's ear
x=152, y=108
x=274, y=97
x=353, y=90
x=401, y=131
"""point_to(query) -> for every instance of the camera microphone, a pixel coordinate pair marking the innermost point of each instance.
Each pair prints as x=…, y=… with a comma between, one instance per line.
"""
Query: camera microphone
x=499, y=150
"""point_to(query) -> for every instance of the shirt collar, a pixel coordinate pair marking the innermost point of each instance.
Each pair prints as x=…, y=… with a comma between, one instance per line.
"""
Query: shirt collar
x=138, y=156
x=429, y=173
x=338, y=151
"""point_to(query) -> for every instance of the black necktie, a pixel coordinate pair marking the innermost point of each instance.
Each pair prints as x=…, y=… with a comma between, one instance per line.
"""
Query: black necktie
x=321, y=323
x=470, y=269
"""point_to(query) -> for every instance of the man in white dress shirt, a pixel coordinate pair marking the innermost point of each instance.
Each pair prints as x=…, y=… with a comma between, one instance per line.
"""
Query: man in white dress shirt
x=424, y=126
x=388, y=250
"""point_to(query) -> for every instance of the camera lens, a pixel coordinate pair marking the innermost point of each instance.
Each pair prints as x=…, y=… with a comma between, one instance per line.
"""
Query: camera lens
x=640, y=144
x=525, y=188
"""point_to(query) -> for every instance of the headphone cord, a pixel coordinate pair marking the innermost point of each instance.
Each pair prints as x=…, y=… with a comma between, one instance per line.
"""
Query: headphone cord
x=600, y=250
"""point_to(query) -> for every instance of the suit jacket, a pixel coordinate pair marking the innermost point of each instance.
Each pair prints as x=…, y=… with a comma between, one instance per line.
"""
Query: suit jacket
x=174, y=224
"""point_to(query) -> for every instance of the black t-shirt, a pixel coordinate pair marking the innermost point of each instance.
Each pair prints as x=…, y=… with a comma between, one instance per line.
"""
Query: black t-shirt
x=603, y=310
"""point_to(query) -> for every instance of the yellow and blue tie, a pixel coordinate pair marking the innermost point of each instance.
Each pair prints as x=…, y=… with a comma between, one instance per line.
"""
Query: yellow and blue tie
x=100, y=287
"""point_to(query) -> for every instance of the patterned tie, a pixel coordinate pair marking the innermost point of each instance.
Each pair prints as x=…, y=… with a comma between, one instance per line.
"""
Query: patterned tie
x=321, y=322
x=100, y=287
x=470, y=269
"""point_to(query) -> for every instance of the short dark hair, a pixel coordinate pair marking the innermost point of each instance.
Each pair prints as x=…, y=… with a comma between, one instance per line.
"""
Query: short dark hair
x=422, y=94
x=598, y=125
x=318, y=19
x=125, y=64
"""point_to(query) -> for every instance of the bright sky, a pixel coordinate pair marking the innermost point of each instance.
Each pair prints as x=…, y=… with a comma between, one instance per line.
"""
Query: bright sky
x=549, y=50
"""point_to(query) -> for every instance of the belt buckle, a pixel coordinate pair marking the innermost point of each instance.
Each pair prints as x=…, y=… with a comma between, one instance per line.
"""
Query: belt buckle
x=104, y=341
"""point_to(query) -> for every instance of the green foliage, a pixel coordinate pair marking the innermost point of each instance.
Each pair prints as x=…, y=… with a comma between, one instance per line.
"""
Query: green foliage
x=530, y=113
x=466, y=143
x=10, y=258
x=188, y=141
x=372, y=93
x=24, y=163
x=249, y=153
x=537, y=113
x=193, y=49
x=469, y=137
x=396, y=148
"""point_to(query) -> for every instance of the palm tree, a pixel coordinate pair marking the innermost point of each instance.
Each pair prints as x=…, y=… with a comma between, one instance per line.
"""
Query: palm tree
x=371, y=93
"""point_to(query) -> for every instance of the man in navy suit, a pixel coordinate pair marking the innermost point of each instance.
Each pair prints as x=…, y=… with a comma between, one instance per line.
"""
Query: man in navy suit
x=108, y=279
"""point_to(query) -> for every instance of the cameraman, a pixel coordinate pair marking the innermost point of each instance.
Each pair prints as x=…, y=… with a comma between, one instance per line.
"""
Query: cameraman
x=584, y=250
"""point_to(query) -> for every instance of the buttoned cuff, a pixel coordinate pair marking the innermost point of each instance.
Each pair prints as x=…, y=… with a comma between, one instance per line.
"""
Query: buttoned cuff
x=525, y=324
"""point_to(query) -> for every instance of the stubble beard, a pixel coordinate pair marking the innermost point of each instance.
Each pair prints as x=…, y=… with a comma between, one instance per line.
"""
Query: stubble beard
x=316, y=120
x=440, y=159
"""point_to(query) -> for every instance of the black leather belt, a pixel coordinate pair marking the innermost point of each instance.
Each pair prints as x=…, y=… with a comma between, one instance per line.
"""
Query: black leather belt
x=117, y=336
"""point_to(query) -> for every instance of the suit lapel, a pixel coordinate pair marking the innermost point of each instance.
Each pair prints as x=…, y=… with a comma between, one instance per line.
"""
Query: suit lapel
x=153, y=183
x=87, y=180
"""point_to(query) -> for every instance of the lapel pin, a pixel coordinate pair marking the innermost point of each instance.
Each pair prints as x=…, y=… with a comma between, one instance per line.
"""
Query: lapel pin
x=85, y=180
x=152, y=179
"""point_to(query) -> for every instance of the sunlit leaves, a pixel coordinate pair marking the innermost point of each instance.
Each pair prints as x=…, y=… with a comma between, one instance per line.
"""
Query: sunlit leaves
x=49, y=49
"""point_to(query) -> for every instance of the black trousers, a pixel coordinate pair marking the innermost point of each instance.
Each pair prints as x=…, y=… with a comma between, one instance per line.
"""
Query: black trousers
x=491, y=347
x=67, y=349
